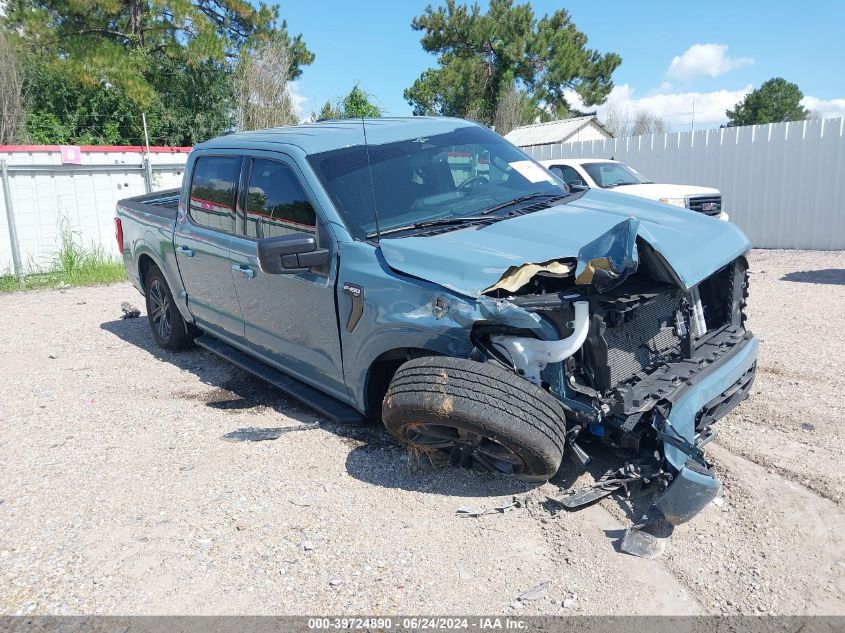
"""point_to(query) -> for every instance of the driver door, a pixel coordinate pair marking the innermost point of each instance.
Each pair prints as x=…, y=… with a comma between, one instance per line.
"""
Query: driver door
x=288, y=319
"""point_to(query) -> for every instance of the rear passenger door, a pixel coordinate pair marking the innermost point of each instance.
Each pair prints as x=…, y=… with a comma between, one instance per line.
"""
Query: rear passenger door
x=289, y=319
x=203, y=234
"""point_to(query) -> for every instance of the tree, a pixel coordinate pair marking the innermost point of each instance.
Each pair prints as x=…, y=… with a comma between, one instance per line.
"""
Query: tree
x=620, y=123
x=513, y=110
x=329, y=111
x=355, y=105
x=11, y=94
x=482, y=57
x=194, y=103
x=647, y=123
x=118, y=42
x=617, y=120
x=777, y=100
x=172, y=60
x=67, y=112
x=260, y=82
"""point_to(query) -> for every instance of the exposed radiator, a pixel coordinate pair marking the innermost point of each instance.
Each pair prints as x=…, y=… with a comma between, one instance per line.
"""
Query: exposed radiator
x=642, y=337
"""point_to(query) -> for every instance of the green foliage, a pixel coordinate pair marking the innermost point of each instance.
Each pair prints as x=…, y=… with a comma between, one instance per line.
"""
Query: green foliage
x=64, y=110
x=777, y=100
x=355, y=105
x=12, y=114
x=71, y=265
x=194, y=103
x=330, y=111
x=95, y=65
x=484, y=56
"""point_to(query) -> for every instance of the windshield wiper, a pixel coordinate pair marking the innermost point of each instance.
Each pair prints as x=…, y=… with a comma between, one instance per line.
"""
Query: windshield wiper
x=456, y=219
x=519, y=199
x=482, y=216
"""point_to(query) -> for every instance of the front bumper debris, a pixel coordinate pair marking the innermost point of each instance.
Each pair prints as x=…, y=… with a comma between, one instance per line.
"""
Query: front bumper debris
x=686, y=482
x=706, y=398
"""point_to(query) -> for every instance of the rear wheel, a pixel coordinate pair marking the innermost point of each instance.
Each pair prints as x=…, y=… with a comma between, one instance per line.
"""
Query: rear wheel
x=478, y=414
x=170, y=330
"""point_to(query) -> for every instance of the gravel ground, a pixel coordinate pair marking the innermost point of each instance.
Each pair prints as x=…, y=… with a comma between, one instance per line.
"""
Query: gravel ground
x=120, y=494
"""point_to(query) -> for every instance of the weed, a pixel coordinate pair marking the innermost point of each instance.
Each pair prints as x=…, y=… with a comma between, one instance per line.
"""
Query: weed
x=71, y=265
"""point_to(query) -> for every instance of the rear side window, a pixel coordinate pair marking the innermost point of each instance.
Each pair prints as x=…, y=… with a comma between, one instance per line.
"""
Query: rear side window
x=276, y=203
x=212, y=202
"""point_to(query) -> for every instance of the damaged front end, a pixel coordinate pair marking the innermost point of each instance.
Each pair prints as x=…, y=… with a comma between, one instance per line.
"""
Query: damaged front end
x=639, y=361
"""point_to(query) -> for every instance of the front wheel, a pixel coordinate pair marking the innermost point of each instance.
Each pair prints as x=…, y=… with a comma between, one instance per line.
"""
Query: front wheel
x=169, y=328
x=478, y=414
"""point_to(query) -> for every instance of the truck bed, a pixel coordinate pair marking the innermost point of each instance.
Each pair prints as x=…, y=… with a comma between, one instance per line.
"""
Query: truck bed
x=164, y=204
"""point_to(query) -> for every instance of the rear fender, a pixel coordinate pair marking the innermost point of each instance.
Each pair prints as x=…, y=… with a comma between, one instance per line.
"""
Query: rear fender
x=167, y=264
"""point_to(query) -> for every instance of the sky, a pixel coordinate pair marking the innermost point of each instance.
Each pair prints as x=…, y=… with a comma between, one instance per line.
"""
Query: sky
x=675, y=55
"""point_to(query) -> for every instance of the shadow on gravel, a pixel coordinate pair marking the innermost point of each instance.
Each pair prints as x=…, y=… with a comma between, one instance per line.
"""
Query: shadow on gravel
x=616, y=536
x=393, y=467
x=374, y=457
x=829, y=276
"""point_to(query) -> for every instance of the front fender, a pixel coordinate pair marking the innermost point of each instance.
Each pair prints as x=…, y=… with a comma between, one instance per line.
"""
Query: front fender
x=397, y=312
x=397, y=328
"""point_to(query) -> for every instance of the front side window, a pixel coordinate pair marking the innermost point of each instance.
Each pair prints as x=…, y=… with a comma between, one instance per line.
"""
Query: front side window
x=459, y=173
x=568, y=175
x=609, y=175
x=276, y=203
x=212, y=197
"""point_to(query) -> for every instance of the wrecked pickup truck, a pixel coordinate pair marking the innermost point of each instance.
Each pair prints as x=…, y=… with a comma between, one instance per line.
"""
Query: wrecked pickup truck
x=426, y=272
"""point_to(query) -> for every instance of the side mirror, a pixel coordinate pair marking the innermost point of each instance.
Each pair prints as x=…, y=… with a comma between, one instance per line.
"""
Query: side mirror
x=578, y=185
x=290, y=254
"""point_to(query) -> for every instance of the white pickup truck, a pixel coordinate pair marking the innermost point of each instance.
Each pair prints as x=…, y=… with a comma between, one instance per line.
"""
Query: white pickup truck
x=611, y=174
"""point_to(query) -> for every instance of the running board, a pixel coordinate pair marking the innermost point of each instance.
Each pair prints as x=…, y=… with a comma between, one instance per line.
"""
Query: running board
x=325, y=405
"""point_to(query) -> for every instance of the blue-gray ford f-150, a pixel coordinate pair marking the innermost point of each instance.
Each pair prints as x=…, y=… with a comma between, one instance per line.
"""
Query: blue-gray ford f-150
x=425, y=271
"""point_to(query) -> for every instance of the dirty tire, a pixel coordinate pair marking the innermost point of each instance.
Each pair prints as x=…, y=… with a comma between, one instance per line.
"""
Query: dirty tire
x=168, y=327
x=478, y=414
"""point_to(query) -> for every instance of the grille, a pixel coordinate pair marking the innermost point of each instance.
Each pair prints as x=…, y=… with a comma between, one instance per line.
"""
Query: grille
x=645, y=335
x=708, y=205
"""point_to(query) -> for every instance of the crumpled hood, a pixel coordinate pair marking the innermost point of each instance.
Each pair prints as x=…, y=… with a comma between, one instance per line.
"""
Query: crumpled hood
x=471, y=259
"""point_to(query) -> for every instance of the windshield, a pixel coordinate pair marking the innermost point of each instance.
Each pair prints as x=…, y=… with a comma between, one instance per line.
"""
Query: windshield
x=460, y=173
x=608, y=175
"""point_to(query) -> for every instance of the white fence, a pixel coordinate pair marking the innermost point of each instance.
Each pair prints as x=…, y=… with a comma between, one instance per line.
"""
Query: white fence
x=781, y=183
x=48, y=188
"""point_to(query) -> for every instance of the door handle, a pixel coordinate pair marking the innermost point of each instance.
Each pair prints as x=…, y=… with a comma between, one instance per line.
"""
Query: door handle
x=243, y=269
x=184, y=250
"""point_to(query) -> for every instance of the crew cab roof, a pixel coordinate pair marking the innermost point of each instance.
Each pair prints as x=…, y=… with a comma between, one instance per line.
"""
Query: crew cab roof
x=323, y=136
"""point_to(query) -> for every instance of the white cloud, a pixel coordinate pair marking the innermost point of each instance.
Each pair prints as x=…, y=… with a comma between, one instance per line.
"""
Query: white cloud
x=705, y=59
x=297, y=100
x=675, y=108
x=827, y=108
x=663, y=87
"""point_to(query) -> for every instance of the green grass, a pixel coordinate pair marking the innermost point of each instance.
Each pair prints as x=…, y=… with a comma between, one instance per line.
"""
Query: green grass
x=72, y=265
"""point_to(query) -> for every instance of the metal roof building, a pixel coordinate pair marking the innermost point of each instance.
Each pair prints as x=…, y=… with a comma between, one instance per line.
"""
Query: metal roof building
x=584, y=128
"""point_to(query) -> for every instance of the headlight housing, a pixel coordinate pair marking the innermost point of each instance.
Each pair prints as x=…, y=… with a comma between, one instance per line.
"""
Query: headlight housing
x=675, y=202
